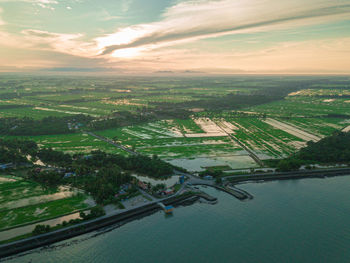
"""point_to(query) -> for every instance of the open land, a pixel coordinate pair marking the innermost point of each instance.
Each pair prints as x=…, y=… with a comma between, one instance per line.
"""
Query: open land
x=196, y=123
x=24, y=202
x=310, y=109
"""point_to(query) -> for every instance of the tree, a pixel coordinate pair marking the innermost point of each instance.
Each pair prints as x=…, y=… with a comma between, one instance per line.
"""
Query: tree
x=288, y=165
x=218, y=180
x=41, y=229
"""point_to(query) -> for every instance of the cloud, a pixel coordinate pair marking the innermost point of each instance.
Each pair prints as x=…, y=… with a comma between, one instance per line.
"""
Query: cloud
x=79, y=69
x=126, y=5
x=166, y=44
x=44, y=2
x=2, y=22
x=64, y=43
x=193, y=20
x=41, y=3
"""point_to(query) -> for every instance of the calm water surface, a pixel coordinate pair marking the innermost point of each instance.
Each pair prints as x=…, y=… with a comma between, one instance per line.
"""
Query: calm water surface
x=287, y=221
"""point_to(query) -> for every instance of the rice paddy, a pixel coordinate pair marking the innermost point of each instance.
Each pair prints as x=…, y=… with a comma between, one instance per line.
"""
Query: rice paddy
x=208, y=138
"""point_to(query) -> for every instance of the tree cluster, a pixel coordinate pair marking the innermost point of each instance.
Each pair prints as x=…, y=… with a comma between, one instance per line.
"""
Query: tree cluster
x=15, y=151
x=49, y=125
x=329, y=150
x=106, y=183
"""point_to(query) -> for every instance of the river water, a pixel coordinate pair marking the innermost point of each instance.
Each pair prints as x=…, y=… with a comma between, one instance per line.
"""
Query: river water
x=287, y=221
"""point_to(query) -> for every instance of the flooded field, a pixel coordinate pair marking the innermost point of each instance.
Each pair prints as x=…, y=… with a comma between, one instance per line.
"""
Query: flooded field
x=196, y=134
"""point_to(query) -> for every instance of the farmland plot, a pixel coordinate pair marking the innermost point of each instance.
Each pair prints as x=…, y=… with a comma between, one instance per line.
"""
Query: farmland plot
x=72, y=143
x=264, y=139
x=24, y=201
x=165, y=139
x=321, y=126
x=298, y=106
x=291, y=129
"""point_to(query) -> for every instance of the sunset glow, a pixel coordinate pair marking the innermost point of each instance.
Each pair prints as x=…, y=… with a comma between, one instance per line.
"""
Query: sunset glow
x=224, y=36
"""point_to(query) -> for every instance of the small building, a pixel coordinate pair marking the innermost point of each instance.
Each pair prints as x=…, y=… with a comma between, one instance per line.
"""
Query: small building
x=182, y=179
x=169, y=191
x=142, y=185
x=169, y=209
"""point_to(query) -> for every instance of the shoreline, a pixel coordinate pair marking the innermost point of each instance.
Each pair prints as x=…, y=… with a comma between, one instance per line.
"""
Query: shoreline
x=33, y=242
x=294, y=175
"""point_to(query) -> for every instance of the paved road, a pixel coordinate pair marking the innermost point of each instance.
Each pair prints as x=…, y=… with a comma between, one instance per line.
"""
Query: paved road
x=195, y=180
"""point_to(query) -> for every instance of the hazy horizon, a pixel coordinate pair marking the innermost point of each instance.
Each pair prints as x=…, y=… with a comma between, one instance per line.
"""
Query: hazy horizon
x=174, y=37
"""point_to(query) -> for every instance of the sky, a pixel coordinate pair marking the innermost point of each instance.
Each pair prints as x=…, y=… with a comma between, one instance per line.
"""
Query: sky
x=175, y=36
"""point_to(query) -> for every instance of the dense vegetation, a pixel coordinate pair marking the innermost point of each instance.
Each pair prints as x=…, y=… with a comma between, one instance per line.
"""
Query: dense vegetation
x=104, y=186
x=329, y=150
x=99, y=173
x=332, y=149
x=153, y=167
x=229, y=102
x=120, y=119
x=48, y=125
x=15, y=151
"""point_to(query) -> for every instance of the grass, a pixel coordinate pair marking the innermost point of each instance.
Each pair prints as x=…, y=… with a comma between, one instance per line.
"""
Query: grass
x=177, y=187
x=188, y=126
x=102, y=96
x=323, y=126
x=72, y=143
x=52, y=209
x=202, y=150
x=298, y=106
x=261, y=137
x=13, y=191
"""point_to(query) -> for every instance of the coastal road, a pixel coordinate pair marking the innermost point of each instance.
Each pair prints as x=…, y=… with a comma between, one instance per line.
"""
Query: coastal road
x=299, y=174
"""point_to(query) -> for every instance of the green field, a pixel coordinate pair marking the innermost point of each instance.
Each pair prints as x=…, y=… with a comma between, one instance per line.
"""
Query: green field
x=309, y=107
x=22, y=202
x=72, y=143
x=43, y=211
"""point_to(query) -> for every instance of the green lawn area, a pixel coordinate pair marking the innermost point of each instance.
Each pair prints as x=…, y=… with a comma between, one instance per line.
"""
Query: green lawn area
x=43, y=211
x=20, y=189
